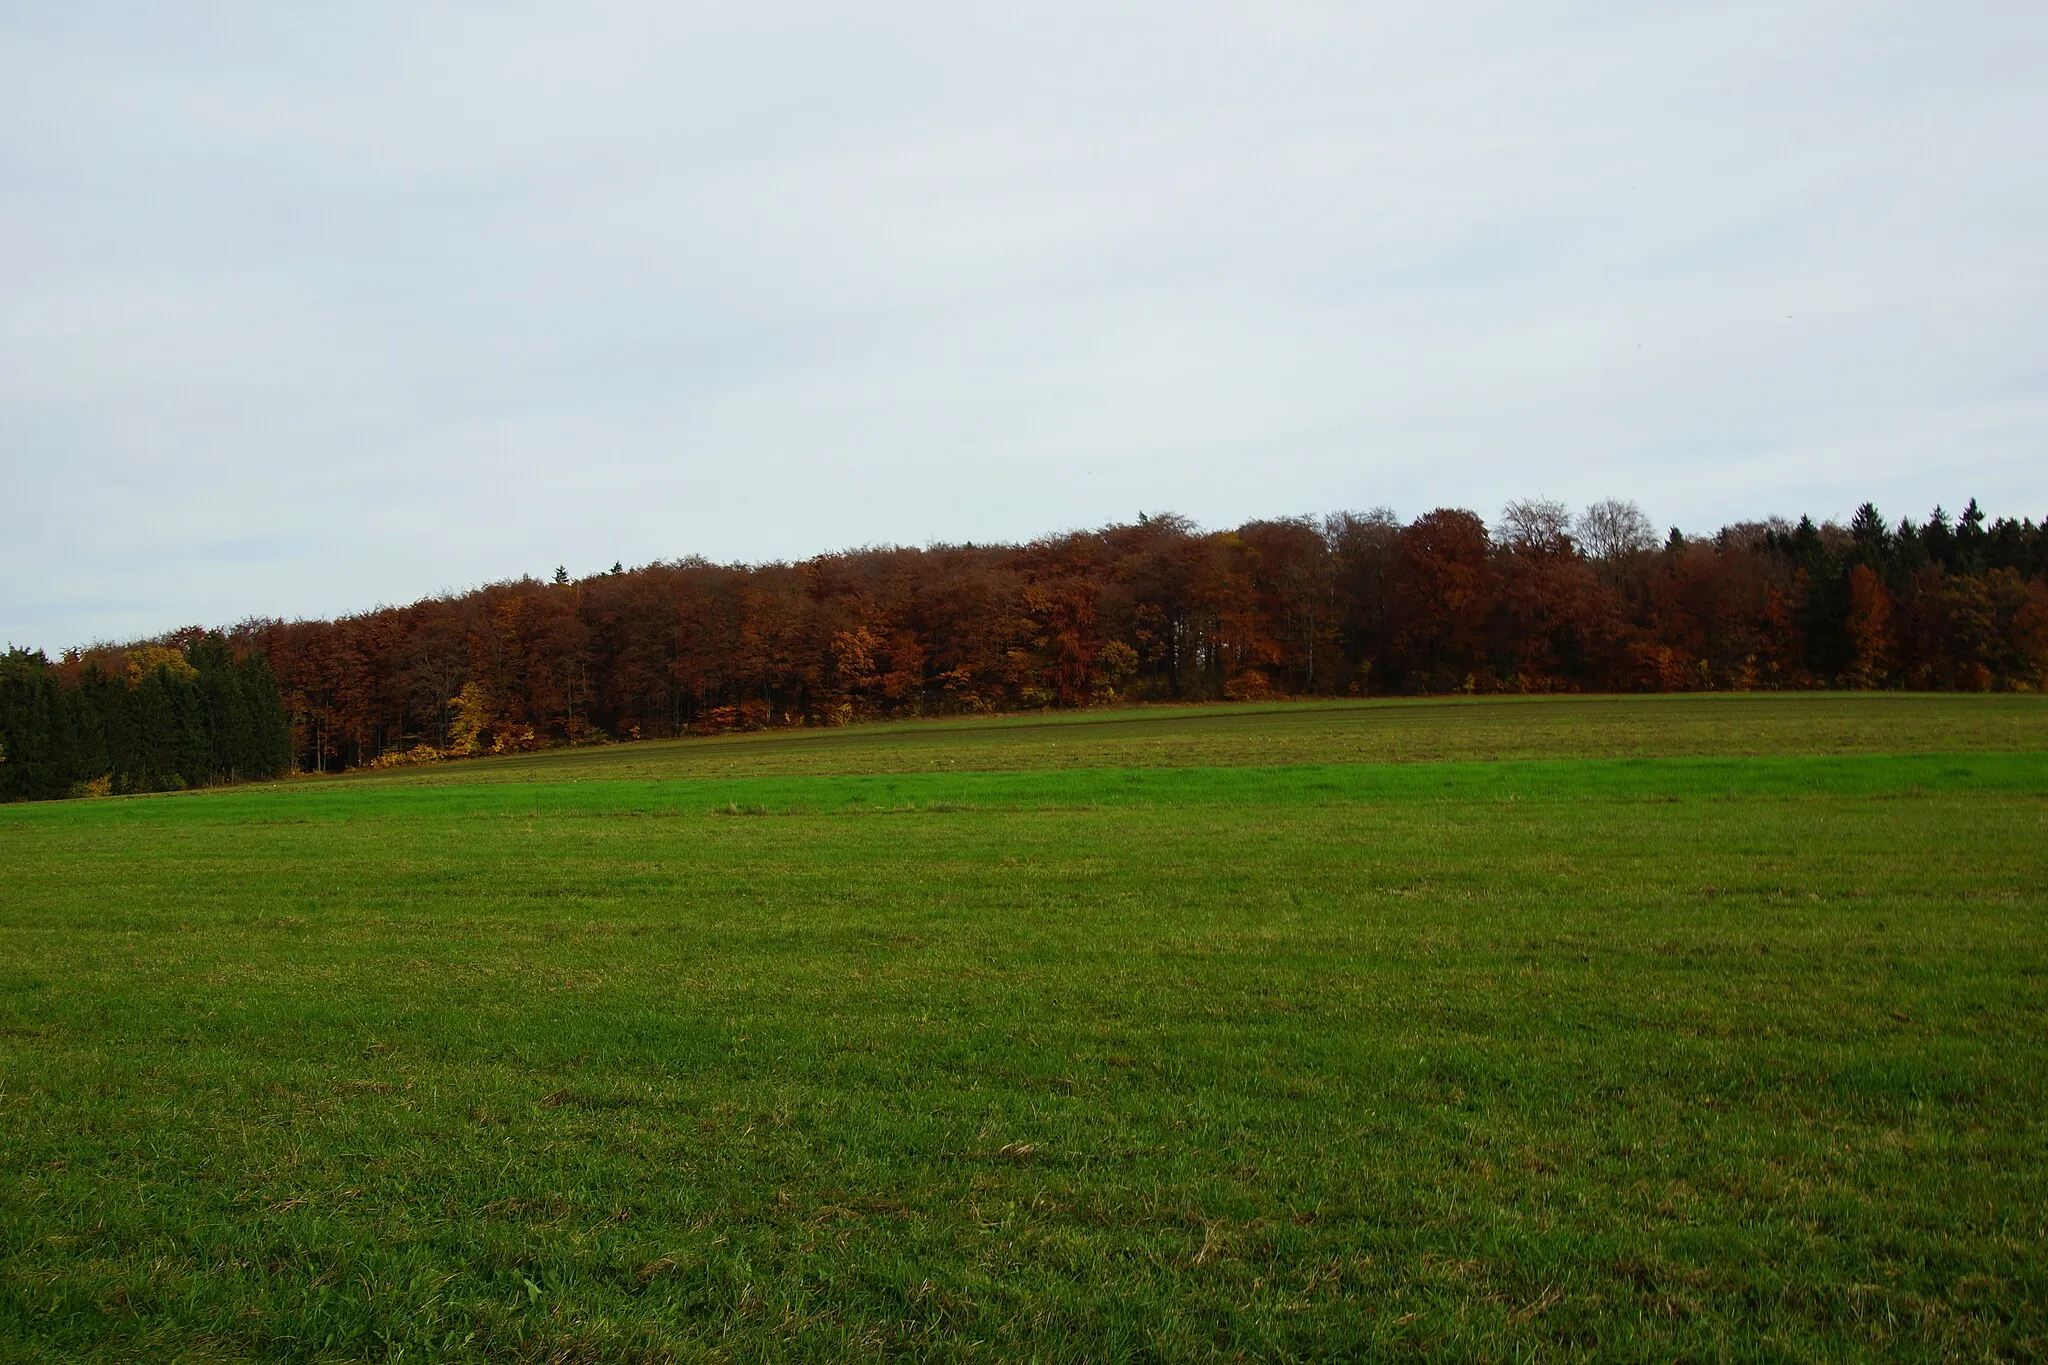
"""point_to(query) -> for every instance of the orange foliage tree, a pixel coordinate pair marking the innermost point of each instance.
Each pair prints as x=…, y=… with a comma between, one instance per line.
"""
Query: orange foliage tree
x=1349, y=604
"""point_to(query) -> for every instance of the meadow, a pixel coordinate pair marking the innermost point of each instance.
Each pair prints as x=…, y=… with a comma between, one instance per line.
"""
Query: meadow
x=1602, y=1028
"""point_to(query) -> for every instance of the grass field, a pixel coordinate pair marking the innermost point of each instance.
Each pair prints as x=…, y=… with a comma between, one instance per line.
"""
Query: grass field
x=1331, y=732
x=1704, y=1028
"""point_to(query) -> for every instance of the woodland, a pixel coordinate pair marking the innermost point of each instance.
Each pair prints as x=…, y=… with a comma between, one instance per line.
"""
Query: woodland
x=158, y=717
x=1349, y=604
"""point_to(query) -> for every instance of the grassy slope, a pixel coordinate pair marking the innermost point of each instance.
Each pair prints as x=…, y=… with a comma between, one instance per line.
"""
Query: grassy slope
x=1310, y=732
x=1609, y=1057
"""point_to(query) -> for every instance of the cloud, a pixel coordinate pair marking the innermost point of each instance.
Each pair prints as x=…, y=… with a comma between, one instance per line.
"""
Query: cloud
x=300, y=314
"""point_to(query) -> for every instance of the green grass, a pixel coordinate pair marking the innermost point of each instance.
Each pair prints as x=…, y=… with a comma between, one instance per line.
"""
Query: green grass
x=1737, y=1054
x=1435, y=730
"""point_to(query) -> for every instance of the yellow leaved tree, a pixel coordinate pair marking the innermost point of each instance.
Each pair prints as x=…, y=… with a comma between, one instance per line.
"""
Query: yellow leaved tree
x=148, y=659
x=472, y=720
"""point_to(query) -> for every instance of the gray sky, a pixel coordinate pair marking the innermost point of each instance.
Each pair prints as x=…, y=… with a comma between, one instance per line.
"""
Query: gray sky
x=301, y=314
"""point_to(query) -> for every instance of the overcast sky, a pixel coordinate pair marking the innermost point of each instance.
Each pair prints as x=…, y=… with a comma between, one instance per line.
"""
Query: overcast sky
x=307, y=309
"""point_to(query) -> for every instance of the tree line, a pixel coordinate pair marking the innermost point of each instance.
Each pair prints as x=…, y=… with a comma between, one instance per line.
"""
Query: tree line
x=158, y=717
x=1351, y=604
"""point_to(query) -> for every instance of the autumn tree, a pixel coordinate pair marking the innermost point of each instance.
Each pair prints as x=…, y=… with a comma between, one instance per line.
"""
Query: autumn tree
x=1441, y=594
x=1158, y=608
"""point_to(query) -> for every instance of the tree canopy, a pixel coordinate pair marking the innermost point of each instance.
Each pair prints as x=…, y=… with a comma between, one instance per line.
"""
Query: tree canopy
x=1348, y=604
x=172, y=715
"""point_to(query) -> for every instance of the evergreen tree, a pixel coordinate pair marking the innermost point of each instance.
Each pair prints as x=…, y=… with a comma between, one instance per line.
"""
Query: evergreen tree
x=31, y=764
x=1938, y=539
x=1971, y=540
x=155, y=716
x=264, y=747
x=88, y=704
x=1871, y=537
x=223, y=711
